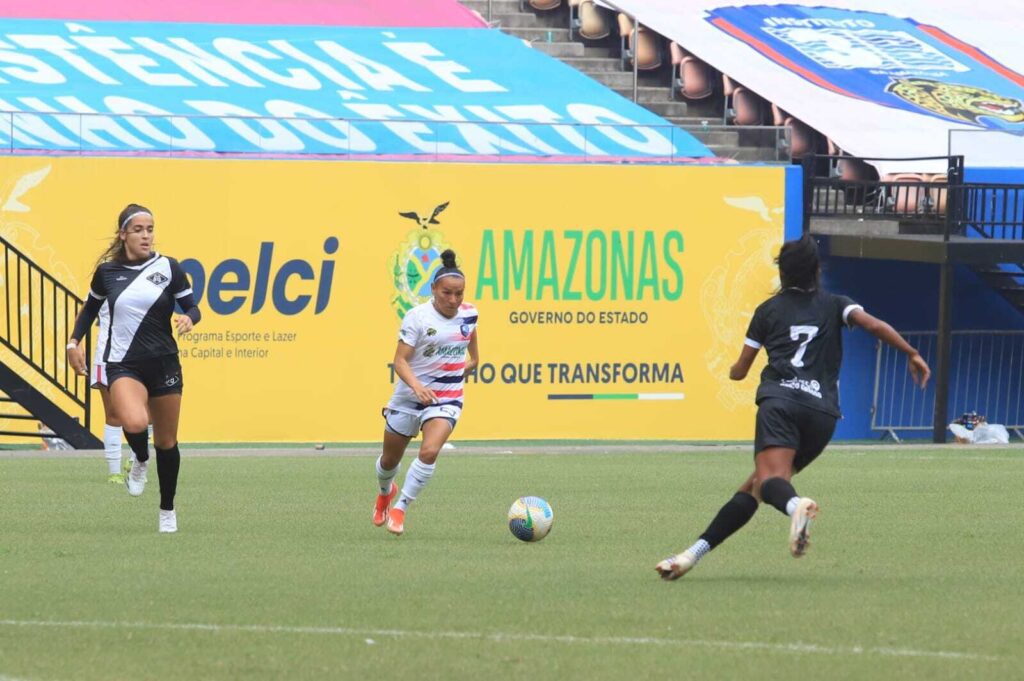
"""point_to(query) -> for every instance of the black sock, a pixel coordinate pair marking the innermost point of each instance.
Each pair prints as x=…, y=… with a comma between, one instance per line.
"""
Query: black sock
x=731, y=517
x=139, y=442
x=777, y=492
x=168, y=461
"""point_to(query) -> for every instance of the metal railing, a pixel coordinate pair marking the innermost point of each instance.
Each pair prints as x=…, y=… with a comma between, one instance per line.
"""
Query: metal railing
x=906, y=200
x=986, y=375
x=993, y=211
x=38, y=317
x=350, y=138
x=986, y=210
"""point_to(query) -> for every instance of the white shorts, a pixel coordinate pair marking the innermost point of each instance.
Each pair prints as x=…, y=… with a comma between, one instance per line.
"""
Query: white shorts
x=98, y=375
x=409, y=425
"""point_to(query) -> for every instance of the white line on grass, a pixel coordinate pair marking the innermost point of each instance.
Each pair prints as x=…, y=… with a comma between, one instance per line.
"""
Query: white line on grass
x=806, y=648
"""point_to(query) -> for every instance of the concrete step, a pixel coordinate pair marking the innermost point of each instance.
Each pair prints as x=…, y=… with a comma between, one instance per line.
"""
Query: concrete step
x=715, y=138
x=647, y=95
x=529, y=20
x=748, y=153
x=668, y=109
x=560, y=49
x=540, y=35
x=497, y=6
x=600, y=51
x=692, y=121
x=590, y=65
x=614, y=79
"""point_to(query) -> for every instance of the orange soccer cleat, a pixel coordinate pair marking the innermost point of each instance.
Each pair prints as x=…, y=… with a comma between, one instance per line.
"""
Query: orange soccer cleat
x=380, y=509
x=396, y=521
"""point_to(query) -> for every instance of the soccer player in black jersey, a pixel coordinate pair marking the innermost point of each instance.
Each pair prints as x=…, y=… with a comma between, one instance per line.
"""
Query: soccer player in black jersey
x=800, y=328
x=140, y=289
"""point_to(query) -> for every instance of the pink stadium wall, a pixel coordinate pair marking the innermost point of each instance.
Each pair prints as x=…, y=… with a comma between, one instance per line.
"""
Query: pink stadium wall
x=390, y=14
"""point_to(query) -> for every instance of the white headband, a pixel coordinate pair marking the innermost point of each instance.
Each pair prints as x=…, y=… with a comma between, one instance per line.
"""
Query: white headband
x=135, y=215
x=448, y=274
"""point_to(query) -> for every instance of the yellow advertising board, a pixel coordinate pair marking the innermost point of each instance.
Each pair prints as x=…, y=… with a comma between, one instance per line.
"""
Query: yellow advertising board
x=612, y=299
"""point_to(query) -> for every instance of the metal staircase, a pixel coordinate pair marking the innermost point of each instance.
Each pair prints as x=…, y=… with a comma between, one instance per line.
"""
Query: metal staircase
x=38, y=316
x=1009, y=282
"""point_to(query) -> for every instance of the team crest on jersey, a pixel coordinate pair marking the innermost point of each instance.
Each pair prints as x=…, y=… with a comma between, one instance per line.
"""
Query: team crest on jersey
x=157, y=278
x=413, y=265
x=431, y=332
x=465, y=330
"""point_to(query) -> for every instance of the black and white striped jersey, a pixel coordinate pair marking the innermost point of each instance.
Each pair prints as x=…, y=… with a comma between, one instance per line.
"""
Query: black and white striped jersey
x=140, y=300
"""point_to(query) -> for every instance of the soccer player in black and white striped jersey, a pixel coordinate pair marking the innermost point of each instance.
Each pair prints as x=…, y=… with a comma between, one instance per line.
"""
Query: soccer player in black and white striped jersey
x=140, y=288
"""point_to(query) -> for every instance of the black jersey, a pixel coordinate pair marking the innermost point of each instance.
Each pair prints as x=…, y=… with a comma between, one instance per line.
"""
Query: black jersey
x=802, y=334
x=140, y=300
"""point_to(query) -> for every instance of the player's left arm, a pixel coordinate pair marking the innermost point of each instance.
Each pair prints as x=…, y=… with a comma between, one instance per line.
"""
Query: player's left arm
x=884, y=332
x=181, y=289
x=741, y=368
x=474, y=354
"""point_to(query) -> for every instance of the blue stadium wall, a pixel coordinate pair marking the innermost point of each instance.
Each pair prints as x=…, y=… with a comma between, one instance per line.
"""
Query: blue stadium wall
x=906, y=295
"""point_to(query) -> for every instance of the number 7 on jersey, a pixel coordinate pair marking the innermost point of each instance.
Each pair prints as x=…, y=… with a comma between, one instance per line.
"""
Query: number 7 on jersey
x=795, y=332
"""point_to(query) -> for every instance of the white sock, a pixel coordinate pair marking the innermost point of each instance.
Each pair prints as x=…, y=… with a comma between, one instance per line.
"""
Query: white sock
x=112, y=448
x=416, y=478
x=791, y=505
x=385, y=476
x=700, y=548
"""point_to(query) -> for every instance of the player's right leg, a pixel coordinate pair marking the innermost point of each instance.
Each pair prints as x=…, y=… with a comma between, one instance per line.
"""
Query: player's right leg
x=129, y=397
x=816, y=429
x=436, y=430
x=730, y=519
x=399, y=429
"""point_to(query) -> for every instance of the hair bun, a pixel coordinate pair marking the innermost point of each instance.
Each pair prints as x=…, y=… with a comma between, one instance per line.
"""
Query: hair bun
x=448, y=258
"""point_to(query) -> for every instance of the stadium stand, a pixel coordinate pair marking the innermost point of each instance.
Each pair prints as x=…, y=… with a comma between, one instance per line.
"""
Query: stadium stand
x=673, y=83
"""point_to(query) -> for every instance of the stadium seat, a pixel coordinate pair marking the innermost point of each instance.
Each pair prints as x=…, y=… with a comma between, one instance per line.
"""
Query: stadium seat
x=588, y=20
x=748, y=108
x=644, y=47
x=937, y=192
x=803, y=139
x=860, y=191
x=728, y=85
x=778, y=115
x=676, y=54
x=545, y=5
x=696, y=77
x=909, y=196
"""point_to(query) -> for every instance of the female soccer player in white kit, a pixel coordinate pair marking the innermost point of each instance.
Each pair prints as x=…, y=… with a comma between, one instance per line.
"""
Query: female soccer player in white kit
x=431, y=362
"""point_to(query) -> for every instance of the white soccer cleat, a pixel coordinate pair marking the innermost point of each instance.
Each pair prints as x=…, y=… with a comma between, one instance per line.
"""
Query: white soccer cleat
x=168, y=521
x=126, y=466
x=676, y=566
x=136, y=478
x=800, y=526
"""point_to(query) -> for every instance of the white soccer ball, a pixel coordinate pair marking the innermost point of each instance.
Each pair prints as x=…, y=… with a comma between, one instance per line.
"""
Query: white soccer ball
x=530, y=518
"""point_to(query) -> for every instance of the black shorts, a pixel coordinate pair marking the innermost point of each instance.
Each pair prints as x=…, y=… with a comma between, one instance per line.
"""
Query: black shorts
x=160, y=375
x=785, y=423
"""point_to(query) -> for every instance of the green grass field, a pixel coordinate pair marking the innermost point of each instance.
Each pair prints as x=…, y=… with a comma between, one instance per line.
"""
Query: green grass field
x=277, y=573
